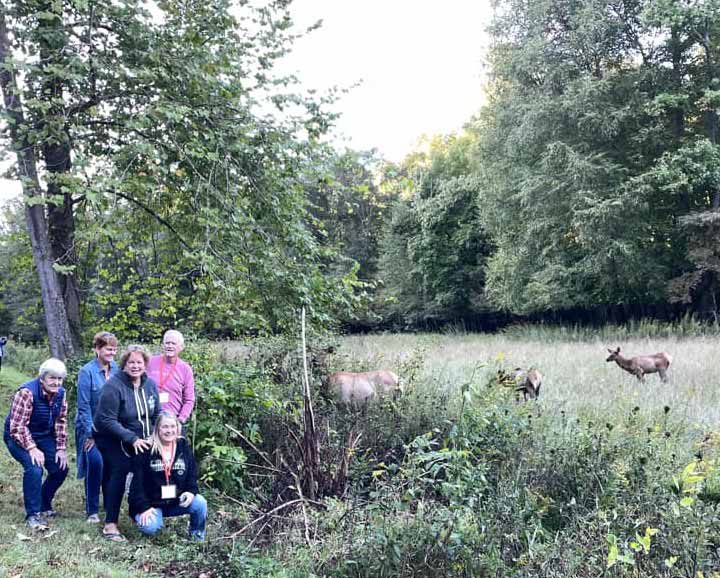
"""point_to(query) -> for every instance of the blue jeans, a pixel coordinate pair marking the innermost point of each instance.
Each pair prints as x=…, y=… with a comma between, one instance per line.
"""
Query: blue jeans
x=197, y=511
x=93, y=479
x=38, y=495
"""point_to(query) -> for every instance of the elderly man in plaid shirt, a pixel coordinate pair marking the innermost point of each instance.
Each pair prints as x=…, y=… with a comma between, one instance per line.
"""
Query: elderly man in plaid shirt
x=36, y=436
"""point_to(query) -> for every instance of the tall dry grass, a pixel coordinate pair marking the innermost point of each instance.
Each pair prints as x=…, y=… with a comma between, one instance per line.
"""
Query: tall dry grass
x=577, y=379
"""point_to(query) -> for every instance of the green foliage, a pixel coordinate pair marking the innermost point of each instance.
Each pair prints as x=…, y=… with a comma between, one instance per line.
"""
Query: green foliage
x=231, y=400
x=21, y=314
x=184, y=198
x=26, y=358
x=435, y=237
x=594, y=146
x=506, y=491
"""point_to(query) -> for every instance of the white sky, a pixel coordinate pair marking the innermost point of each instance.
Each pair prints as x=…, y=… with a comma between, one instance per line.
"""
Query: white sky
x=419, y=63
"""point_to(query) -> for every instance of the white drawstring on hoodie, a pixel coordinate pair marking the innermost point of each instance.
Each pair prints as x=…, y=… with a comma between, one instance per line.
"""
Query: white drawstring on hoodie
x=146, y=423
x=146, y=414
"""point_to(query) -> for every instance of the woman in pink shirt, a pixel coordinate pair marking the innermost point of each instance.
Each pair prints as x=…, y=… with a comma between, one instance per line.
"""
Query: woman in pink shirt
x=174, y=377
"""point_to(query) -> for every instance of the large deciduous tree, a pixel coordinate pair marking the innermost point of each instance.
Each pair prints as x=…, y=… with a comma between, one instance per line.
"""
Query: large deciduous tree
x=591, y=151
x=164, y=116
x=435, y=248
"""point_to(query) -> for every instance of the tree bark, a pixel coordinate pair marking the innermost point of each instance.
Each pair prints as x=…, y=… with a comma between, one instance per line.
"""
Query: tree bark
x=57, y=154
x=61, y=344
x=711, y=117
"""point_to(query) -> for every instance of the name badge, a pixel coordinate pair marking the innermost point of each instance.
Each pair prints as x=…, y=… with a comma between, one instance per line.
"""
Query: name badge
x=168, y=492
x=164, y=397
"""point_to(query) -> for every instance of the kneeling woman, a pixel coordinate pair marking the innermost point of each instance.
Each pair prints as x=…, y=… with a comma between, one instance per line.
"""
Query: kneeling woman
x=164, y=482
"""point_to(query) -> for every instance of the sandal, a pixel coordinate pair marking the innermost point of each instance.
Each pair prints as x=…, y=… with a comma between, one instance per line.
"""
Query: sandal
x=114, y=537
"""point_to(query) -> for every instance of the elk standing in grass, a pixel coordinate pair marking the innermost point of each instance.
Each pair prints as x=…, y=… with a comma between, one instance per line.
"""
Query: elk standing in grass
x=642, y=364
x=528, y=382
x=359, y=388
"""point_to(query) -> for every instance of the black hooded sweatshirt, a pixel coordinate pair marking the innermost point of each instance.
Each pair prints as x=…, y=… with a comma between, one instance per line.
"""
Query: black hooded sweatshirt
x=124, y=413
x=149, y=476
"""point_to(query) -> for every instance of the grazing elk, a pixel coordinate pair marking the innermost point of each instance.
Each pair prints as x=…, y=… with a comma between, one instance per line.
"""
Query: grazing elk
x=528, y=382
x=642, y=364
x=359, y=388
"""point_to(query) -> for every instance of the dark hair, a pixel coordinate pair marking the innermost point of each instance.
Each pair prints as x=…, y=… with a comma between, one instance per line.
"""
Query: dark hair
x=103, y=338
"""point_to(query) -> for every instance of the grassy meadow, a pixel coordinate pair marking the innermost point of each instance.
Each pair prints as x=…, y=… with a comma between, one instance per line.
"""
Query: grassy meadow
x=602, y=476
x=576, y=378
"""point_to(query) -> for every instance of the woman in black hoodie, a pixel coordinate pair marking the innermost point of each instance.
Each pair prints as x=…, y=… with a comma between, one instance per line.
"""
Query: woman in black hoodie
x=164, y=482
x=126, y=411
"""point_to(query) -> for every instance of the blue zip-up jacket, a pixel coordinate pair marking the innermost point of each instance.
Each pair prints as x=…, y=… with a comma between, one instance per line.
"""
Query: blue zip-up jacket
x=91, y=380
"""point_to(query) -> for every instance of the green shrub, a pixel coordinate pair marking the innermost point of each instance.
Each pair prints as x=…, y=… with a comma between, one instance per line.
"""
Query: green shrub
x=25, y=358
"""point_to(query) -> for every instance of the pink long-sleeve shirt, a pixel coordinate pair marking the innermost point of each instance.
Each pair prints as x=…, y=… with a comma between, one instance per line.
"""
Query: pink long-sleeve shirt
x=177, y=381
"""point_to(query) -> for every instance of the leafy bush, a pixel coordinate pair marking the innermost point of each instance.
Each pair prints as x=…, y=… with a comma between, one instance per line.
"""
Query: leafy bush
x=25, y=358
x=499, y=488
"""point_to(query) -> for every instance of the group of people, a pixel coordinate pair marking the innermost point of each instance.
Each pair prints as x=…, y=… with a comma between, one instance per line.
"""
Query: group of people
x=128, y=426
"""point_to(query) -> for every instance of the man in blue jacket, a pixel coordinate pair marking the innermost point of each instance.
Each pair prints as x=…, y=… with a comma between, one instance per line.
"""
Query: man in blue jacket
x=36, y=436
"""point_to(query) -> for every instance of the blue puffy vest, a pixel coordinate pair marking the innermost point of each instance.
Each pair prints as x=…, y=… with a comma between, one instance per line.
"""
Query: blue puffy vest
x=42, y=419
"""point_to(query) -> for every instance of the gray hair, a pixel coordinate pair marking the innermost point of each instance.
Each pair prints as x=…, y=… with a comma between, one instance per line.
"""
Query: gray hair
x=53, y=367
x=175, y=333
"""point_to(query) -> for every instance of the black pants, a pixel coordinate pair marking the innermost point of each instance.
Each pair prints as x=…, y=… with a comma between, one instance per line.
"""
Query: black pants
x=116, y=466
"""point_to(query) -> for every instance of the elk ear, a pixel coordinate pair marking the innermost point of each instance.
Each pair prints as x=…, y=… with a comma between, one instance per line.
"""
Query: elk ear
x=617, y=350
x=610, y=350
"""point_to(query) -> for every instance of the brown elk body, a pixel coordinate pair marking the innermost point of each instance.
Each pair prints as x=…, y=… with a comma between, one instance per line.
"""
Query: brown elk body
x=528, y=382
x=359, y=388
x=642, y=364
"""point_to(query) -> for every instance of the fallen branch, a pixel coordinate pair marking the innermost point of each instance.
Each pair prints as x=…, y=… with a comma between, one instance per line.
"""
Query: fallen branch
x=268, y=515
x=298, y=488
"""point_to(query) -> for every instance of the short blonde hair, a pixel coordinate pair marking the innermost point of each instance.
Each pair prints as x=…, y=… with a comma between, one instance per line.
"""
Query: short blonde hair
x=53, y=367
x=129, y=350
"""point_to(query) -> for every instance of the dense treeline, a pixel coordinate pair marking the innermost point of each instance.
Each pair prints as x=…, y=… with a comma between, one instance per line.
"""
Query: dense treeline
x=586, y=188
x=589, y=181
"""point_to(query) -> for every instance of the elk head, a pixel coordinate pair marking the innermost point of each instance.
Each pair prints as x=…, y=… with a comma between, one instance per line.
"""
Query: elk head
x=613, y=354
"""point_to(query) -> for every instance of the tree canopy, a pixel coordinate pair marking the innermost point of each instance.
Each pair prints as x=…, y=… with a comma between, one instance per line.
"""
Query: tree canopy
x=172, y=177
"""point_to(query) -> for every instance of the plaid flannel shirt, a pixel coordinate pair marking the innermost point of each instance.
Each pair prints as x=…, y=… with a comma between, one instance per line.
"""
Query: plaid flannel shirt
x=22, y=408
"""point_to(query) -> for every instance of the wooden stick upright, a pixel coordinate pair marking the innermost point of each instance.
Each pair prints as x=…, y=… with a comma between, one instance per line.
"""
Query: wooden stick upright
x=311, y=442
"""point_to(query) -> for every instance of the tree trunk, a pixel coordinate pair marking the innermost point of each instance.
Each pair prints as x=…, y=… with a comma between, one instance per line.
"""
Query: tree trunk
x=706, y=302
x=61, y=220
x=711, y=117
x=61, y=344
x=58, y=161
